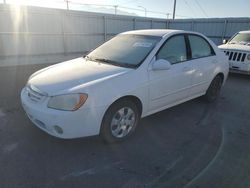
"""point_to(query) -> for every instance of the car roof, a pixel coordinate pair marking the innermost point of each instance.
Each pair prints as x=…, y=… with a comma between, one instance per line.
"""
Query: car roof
x=245, y=31
x=153, y=32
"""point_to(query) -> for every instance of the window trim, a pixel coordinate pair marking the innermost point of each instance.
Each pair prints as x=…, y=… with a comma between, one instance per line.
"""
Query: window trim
x=190, y=49
x=186, y=45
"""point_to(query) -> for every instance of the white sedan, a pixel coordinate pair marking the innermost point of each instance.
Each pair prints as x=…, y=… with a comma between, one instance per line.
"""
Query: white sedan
x=133, y=75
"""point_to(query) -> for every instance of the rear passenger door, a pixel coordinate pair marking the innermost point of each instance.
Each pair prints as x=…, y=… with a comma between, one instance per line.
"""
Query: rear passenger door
x=203, y=60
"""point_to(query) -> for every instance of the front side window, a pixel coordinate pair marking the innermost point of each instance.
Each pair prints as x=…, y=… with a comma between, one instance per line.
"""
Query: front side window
x=174, y=50
x=199, y=47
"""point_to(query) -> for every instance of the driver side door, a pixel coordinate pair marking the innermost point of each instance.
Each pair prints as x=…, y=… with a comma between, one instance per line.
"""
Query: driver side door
x=169, y=87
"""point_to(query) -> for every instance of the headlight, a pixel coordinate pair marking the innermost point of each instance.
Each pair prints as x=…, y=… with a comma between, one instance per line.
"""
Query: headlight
x=248, y=57
x=69, y=102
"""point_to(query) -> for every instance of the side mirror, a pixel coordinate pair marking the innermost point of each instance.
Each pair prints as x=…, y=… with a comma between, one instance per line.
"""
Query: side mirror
x=161, y=64
x=224, y=41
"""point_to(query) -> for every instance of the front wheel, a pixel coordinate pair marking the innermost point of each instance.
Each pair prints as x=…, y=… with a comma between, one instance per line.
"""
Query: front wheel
x=214, y=89
x=119, y=121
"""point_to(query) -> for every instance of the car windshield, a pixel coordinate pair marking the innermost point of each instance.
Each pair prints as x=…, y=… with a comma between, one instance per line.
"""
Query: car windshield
x=124, y=50
x=241, y=38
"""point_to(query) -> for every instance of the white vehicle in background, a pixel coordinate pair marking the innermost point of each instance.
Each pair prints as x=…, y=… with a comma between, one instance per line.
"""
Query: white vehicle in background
x=133, y=75
x=238, y=51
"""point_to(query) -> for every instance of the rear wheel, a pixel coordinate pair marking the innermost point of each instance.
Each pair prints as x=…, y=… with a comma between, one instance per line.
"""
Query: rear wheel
x=119, y=121
x=214, y=89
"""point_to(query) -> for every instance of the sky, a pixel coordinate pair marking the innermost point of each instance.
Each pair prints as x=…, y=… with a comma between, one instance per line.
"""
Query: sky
x=153, y=8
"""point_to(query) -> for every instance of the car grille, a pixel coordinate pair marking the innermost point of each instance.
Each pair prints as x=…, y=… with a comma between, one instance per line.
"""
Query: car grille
x=35, y=94
x=236, y=56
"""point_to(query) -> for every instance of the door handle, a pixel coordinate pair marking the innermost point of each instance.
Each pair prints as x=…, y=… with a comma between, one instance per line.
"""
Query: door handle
x=186, y=69
x=214, y=61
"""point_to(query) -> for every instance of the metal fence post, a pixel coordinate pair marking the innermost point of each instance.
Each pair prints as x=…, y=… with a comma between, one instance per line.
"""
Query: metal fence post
x=134, y=24
x=192, y=25
x=65, y=51
x=105, y=28
x=224, y=30
x=167, y=24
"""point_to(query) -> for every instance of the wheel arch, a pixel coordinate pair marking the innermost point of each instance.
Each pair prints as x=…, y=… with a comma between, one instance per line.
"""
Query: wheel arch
x=221, y=75
x=132, y=98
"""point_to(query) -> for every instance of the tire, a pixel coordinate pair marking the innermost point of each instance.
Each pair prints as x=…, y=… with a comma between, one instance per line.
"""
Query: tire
x=119, y=121
x=213, y=91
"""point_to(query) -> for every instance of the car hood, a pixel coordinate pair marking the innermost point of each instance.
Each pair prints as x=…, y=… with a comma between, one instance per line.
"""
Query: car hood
x=235, y=47
x=70, y=74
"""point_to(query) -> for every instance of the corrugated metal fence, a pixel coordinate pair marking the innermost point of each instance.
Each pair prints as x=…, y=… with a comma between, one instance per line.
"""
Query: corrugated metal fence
x=35, y=32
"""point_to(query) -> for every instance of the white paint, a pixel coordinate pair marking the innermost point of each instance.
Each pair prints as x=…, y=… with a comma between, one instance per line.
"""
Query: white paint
x=90, y=171
x=169, y=167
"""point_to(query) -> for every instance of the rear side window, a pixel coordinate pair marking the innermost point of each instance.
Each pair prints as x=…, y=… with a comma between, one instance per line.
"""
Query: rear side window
x=174, y=50
x=200, y=47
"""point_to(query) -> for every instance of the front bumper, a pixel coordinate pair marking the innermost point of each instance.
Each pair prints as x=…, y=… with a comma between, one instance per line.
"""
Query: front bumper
x=80, y=123
x=239, y=67
x=239, y=71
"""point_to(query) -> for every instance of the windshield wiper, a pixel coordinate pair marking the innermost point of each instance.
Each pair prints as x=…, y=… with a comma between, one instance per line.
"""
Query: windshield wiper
x=107, y=61
x=88, y=58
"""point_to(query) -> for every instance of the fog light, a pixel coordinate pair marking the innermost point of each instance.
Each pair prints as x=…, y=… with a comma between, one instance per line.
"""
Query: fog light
x=58, y=129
